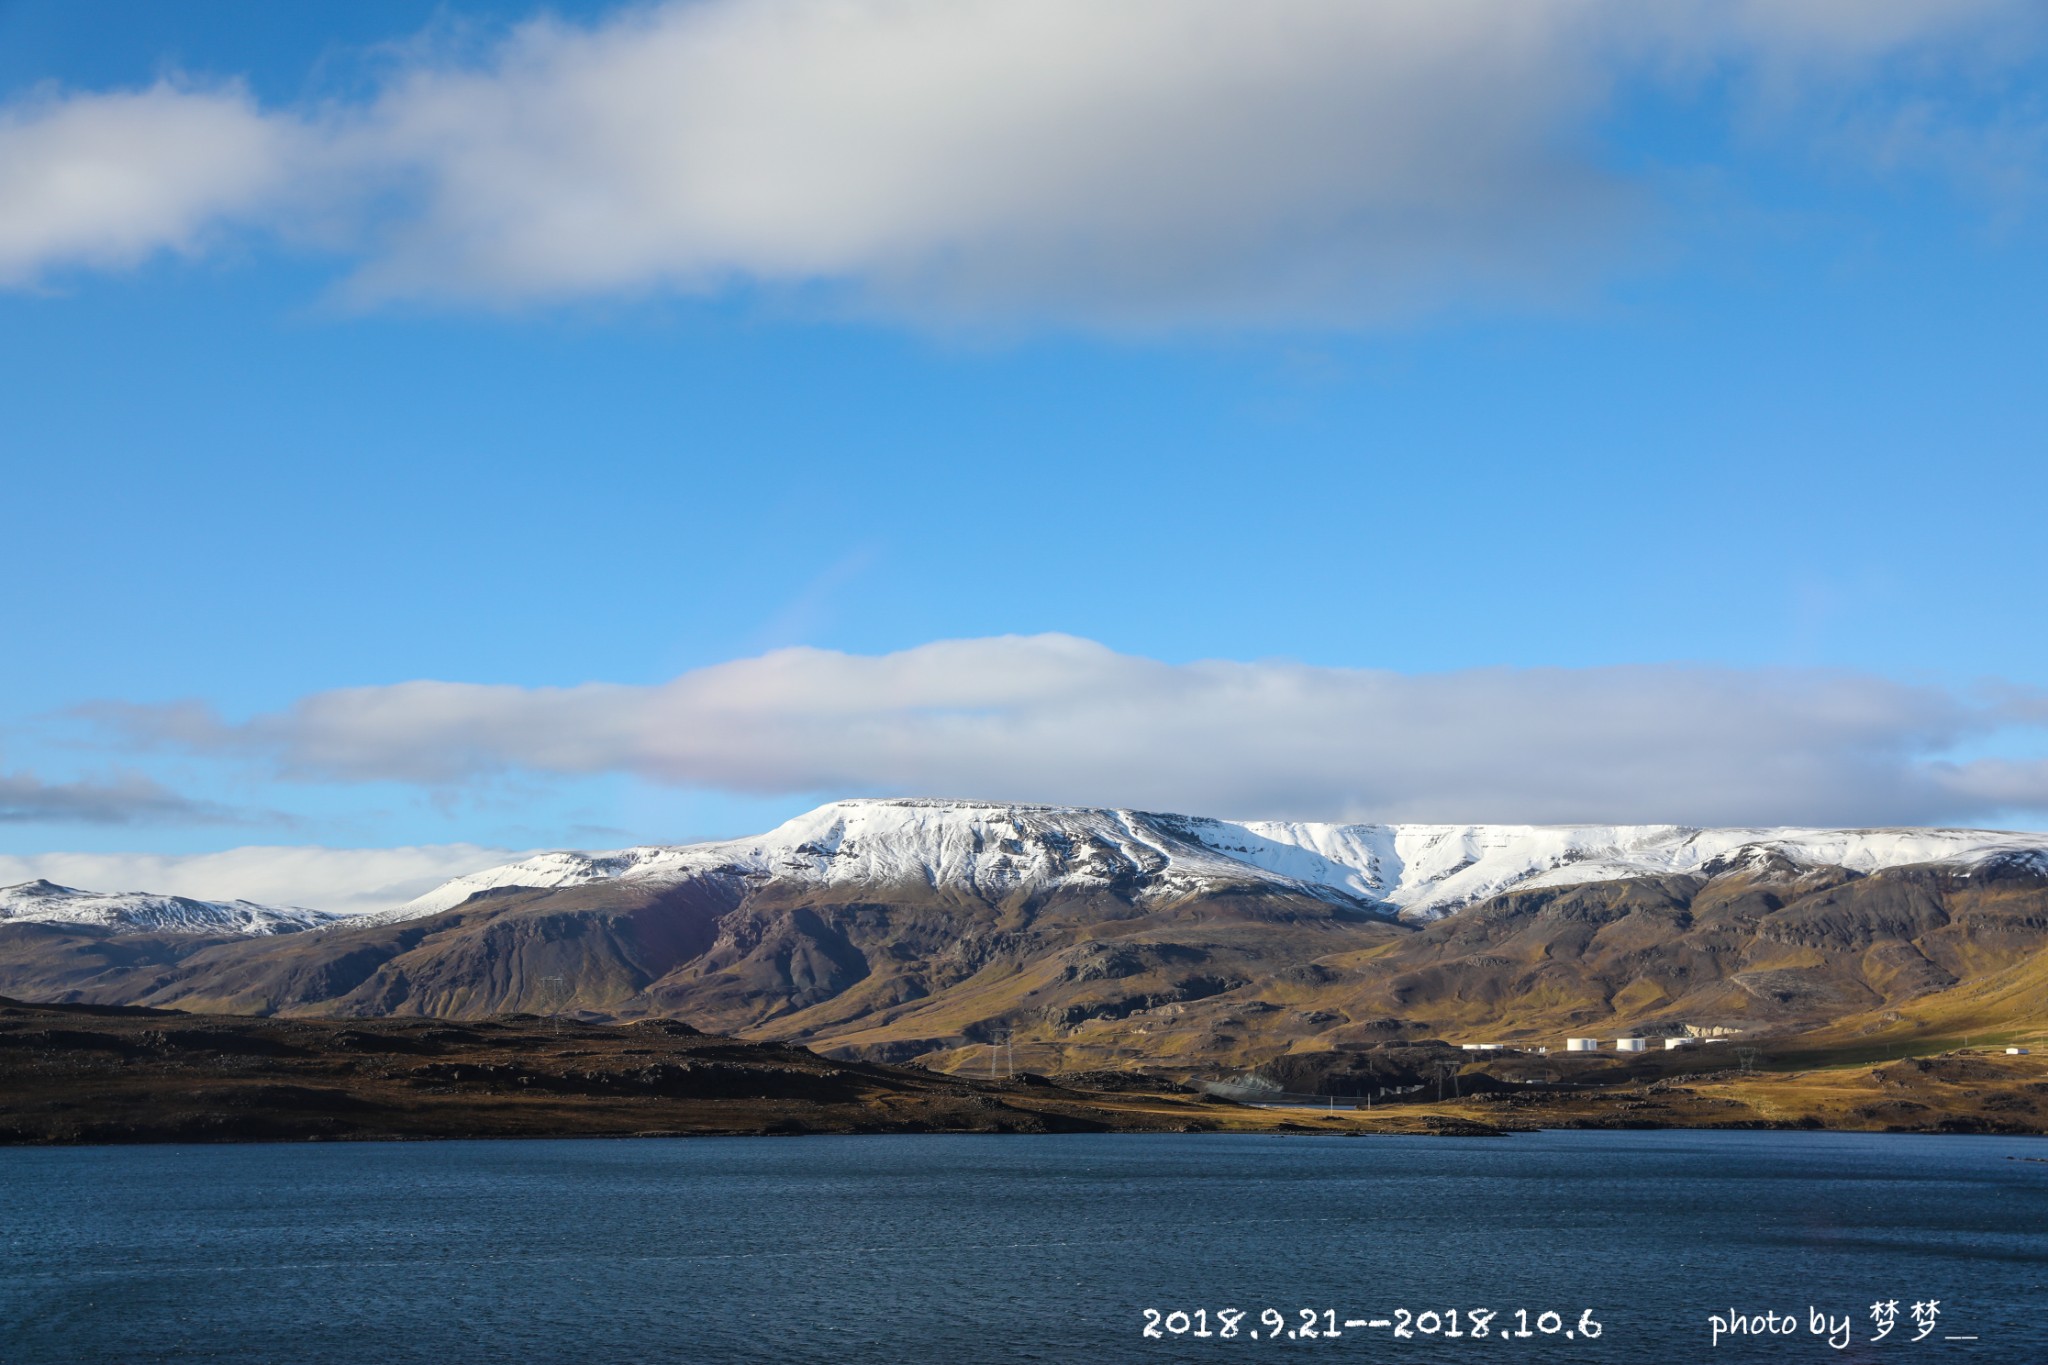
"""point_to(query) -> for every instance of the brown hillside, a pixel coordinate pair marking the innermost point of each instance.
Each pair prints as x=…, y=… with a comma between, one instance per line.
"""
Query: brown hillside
x=1223, y=978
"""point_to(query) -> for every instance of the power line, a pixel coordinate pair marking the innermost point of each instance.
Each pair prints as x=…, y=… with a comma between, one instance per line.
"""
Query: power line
x=553, y=995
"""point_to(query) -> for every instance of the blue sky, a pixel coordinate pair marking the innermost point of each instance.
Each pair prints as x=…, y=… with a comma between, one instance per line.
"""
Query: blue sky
x=1740, y=376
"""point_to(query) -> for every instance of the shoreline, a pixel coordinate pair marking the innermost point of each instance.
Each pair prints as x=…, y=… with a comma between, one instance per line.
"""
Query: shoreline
x=411, y=1139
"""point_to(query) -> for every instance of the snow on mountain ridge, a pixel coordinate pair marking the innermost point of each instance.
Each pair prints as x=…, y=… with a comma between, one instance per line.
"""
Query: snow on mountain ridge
x=140, y=912
x=1418, y=871
x=990, y=848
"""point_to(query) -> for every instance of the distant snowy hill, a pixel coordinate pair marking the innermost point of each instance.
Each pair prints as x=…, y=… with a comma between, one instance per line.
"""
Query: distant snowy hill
x=135, y=912
x=1418, y=872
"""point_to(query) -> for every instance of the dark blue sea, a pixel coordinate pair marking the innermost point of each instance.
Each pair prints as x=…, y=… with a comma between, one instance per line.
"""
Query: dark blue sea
x=1056, y=1248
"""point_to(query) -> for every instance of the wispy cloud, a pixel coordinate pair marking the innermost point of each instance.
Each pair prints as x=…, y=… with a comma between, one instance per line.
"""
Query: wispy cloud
x=1055, y=718
x=1101, y=162
x=123, y=799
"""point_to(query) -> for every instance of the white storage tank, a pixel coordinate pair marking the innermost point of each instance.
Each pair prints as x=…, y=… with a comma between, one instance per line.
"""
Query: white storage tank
x=1670, y=1043
x=1582, y=1045
x=1631, y=1044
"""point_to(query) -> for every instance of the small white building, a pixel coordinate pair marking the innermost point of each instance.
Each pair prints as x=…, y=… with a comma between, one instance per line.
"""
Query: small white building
x=1672, y=1043
x=2016, y=1052
x=1631, y=1044
x=1582, y=1045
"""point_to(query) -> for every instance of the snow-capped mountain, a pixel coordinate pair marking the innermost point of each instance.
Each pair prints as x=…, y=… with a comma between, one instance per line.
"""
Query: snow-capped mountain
x=137, y=912
x=1416, y=871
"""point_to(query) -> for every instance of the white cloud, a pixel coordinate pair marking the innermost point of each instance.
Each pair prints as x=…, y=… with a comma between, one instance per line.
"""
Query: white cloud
x=1054, y=718
x=342, y=879
x=109, y=179
x=1131, y=159
x=1110, y=162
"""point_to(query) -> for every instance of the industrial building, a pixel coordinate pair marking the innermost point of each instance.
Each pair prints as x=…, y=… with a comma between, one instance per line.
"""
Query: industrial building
x=1582, y=1045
